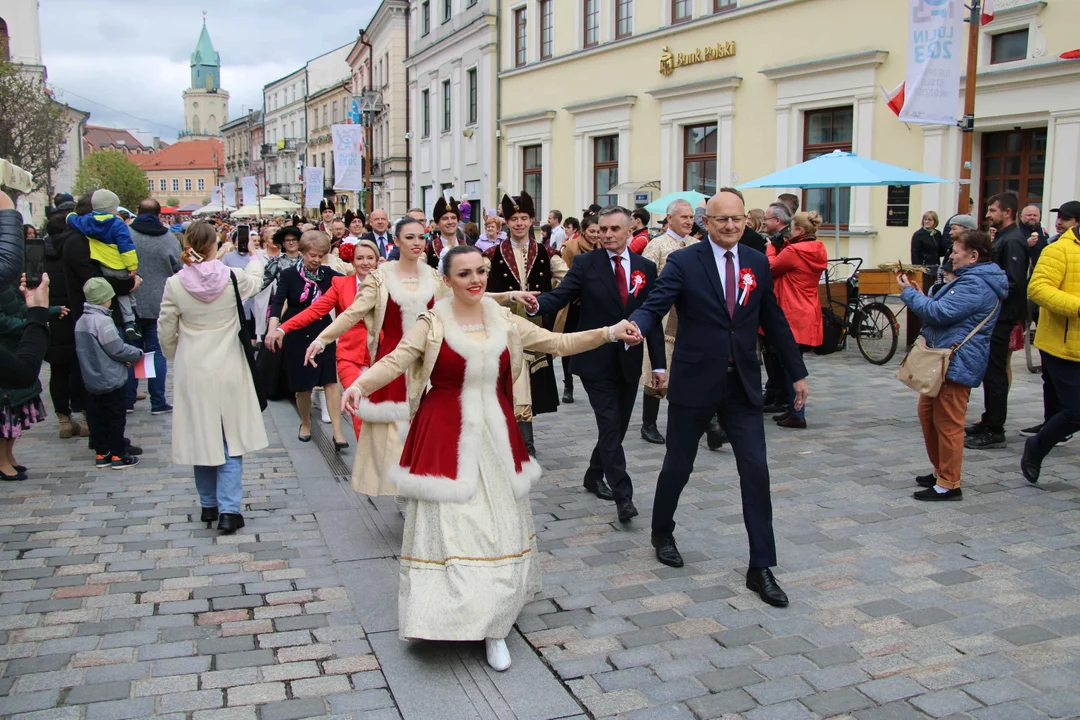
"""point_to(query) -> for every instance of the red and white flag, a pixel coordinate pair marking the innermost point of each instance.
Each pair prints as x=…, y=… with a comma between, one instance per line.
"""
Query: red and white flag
x=895, y=99
x=1070, y=55
x=987, y=11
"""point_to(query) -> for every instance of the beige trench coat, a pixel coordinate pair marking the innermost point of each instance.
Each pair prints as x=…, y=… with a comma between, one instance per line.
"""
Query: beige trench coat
x=213, y=385
x=658, y=250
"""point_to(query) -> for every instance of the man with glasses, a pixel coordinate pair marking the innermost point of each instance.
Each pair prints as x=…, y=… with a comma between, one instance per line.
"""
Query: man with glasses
x=723, y=292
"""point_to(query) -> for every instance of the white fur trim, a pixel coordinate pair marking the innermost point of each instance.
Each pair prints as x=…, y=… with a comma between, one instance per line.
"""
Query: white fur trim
x=383, y=412
x=402, y=431
x=479, y=408
x=412, y=299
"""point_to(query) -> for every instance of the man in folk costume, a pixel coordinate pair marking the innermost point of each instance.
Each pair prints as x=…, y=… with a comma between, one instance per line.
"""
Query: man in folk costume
x=520, y=263
x=447, y=216
x=326, y=211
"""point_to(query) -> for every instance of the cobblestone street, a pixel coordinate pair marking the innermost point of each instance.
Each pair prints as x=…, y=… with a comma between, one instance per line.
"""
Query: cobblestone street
x=115, y=603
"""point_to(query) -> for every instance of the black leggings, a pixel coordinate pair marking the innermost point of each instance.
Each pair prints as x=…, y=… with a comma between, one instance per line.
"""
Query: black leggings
x=66, y=386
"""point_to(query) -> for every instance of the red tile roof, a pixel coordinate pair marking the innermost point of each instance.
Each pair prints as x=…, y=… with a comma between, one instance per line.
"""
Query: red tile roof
x=99, y=138
x=187, y=155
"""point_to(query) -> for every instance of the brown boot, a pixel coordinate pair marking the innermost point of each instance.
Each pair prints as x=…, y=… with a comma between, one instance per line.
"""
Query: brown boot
x=67, y=430
x=79, y=428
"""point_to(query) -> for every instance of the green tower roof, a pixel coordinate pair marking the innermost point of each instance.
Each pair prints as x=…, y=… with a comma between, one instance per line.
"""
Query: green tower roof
x=204, y=51
x=205, y=64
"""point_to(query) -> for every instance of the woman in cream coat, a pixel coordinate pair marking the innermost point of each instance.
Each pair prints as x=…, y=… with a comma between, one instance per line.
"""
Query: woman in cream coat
x=216, y=419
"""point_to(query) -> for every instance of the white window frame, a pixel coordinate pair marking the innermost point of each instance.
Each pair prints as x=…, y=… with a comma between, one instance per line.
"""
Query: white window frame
x=599, y=118
x=1025, y=17
x=520, y=132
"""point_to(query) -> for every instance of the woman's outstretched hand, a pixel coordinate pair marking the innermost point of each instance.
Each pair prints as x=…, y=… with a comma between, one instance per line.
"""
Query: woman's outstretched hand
x=350, y=400
x=627, y=332
x=313, y=349
x=273, y=340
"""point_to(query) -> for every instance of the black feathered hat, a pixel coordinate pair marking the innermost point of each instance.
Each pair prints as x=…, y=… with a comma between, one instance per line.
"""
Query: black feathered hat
x=522, y=203
x=442, y=206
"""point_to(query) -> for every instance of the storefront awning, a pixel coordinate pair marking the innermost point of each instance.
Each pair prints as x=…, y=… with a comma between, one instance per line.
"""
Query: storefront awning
x=634, y=186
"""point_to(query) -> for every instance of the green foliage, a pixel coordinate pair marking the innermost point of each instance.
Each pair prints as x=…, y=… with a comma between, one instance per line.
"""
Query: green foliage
x=33, y=126
x=172, y=201
x=113, y=170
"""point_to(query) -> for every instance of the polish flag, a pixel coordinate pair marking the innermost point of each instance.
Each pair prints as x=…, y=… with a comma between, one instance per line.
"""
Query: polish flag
x=895, y=99
x=1070, y=55
x=987, y=11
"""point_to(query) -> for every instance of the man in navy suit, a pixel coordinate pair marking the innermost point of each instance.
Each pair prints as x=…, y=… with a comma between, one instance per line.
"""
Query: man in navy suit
x=722, y=292
x=611, y=282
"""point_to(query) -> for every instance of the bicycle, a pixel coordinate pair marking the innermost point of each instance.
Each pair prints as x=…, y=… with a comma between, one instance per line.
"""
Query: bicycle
x=872, y=323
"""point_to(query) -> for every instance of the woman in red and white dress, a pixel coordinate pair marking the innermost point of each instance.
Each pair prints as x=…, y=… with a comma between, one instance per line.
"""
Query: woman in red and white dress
x=468, y=557
x=352, y=349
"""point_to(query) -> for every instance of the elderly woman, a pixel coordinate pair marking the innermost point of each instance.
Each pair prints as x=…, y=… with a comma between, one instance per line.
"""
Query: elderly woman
x=927, y=244
x=796, y=269
x=216, y=420
x=960, y=314
x=287, y=242
x=299, y=287
x=493, y=232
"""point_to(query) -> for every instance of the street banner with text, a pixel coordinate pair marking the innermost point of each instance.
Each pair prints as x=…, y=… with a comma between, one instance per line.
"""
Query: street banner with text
x=348, y=150
x=228, y=193
x=313, y=186
x=248, y=190
x=934, y=63
x=215, y=196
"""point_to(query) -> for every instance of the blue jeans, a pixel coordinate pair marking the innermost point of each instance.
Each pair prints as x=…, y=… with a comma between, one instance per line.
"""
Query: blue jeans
x=156, y=385
x=221, y=486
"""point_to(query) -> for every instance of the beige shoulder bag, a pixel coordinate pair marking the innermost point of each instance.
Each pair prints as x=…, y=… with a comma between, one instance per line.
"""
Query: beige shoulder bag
x=924, y=368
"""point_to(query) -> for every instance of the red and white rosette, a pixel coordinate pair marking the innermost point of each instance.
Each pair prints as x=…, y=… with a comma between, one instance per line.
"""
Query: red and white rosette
x=747, y=282
x=637, y=281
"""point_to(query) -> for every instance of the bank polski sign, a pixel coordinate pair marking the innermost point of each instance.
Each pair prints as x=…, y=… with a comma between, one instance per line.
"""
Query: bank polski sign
x=934, y=62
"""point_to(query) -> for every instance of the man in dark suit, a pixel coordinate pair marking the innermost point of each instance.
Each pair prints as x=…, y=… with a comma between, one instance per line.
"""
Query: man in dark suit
x=380, y=232
x=611, y=282
x=722, y=292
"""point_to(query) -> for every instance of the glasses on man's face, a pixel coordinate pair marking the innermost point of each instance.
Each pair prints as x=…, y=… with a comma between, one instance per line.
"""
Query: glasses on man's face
x=725, y=219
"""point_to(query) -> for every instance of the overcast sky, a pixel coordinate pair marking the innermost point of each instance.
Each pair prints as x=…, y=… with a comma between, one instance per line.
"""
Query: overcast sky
x=128, y=61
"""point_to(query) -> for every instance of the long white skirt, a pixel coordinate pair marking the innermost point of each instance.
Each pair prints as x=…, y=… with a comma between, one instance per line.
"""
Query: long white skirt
x=468, y=568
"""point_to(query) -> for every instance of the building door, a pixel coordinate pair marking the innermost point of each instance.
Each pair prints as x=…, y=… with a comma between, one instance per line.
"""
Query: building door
x=1013, y=160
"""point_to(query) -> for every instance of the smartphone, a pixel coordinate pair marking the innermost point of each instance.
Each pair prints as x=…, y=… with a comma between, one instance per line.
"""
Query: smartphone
x=242, y=238
x=34, y=261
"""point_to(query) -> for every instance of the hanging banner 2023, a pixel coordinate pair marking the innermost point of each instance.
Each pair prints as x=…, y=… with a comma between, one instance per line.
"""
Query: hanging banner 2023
x=348, y=149
x=934, y=63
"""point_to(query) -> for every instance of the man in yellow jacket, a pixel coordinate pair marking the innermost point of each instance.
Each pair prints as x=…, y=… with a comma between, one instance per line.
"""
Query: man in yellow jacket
x=1055, y=287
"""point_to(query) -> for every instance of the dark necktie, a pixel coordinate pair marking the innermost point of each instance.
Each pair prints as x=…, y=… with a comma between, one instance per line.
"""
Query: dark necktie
x=729, y=282
x=620, y=279
x=382, y=245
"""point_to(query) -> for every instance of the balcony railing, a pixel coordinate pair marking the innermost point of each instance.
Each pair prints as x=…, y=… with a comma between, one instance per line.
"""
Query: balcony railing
x=269, y=150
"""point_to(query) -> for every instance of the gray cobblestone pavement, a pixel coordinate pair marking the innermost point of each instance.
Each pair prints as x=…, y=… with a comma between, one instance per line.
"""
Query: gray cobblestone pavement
x=116, y=603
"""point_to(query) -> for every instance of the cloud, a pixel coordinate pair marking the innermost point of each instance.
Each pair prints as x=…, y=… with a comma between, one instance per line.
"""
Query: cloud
x=128, y=61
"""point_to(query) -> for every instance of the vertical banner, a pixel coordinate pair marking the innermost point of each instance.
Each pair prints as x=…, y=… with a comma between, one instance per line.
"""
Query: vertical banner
x=313, y=186
x=248, y=190
x=934, y=63
x=215, y=196
x=348, y=149
x=228, y=194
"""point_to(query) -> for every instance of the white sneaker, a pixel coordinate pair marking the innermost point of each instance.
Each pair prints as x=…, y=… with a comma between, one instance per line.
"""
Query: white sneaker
x=325, y=414
x=498, y=656
x=1067, y=441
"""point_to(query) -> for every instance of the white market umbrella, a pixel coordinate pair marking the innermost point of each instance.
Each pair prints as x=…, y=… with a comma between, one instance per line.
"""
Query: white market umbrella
x=213, y=209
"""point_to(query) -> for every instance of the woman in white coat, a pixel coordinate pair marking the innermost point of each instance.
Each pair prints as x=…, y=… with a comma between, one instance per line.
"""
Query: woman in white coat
x=216, y=419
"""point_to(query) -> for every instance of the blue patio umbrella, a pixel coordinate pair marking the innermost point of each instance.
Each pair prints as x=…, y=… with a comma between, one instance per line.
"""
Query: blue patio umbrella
x=841, y=169
x=660, y=205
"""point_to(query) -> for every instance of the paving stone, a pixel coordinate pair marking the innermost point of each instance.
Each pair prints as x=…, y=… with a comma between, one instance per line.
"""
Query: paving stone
x=998, y=690
x=230, y=661
x=256, y=694
x=878, y=608
x=356, y=702
x=99, y=692
x=945, y=702
x=836, y=702
x=1025, y=634
x=721, y=704
x=293, y=709
x=895, y=687
x=120, y=709
x=777, y=691
x=835, y=655
x=776, y=647
x=320, y=686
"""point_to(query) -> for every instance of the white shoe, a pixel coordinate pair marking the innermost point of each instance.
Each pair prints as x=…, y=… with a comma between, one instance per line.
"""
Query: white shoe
x=498, y=656
x=325, y=414
x=1067, y=441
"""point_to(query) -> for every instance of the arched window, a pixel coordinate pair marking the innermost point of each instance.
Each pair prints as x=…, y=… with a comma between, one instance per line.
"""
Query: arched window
x=196, y=126
x=211, y=125
x=4, y=45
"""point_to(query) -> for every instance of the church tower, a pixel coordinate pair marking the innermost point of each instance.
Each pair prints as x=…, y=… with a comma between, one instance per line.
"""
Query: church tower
x=206, y=105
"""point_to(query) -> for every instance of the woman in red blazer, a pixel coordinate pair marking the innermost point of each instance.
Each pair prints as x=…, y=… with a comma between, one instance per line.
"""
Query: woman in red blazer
x=352, y=354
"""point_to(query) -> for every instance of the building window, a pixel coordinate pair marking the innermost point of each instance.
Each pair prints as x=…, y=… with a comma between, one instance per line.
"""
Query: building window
x=149, y=186
x=474, y=109
x=200, y=184
x=425, y=18
x=1008, y=47
x=175, y=185
x=547, y=28
x=823, y=132
x=447, y=10
x=624, y=18
x=425, y=111
x=719, y=6
x=699, y=158
x=533, y=174
x=187, y=184
x=520, y=45
x=334, y=112
x=605, y=169
x=591, y=25
x=1013, y=160
x=322, y=161
x=446, y=106
x=681, y=10
x=162, y=185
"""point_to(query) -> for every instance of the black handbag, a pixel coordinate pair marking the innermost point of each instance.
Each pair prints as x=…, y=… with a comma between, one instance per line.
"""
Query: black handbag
x=245, y=342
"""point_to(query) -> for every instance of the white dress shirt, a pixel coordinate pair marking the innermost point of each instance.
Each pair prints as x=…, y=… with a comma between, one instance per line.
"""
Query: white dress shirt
x=625, y=265
x=721, y=266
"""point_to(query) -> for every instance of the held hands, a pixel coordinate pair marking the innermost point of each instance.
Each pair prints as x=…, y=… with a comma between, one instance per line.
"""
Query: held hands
x=802, y=391
x=627, y=332
x=526, y=298
x=314, y=349
x=39, y=296
x=350, y=400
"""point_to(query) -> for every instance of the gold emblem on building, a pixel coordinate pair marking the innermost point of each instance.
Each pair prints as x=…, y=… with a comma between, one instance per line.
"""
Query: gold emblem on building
x=669, y=61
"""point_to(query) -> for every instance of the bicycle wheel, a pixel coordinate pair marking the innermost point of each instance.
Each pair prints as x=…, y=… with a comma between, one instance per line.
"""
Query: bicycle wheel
x=876, y=332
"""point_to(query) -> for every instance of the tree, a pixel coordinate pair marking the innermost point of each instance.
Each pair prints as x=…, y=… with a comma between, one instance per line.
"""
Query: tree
x=33, y=126
x=172, y=201
x=113, y=170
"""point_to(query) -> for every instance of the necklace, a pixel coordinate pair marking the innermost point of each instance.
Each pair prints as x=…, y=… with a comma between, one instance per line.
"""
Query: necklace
x=409, y=280
x=480, y=327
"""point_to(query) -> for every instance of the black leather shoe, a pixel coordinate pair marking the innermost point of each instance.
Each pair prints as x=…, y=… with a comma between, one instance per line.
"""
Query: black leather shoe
x=792, y=422
x=1029, y=466
x=228, y=523
x=926, y=480
x=599, y=488
x=650, y=434
x=715, y=437
x=626, y=510
x=666, y=551
x=209, y=515
x=303, y=438
x=775, y=407
x=781, y=416
x=761, y=581
x=931, y=494
x=568, y=390
x=339, y=446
